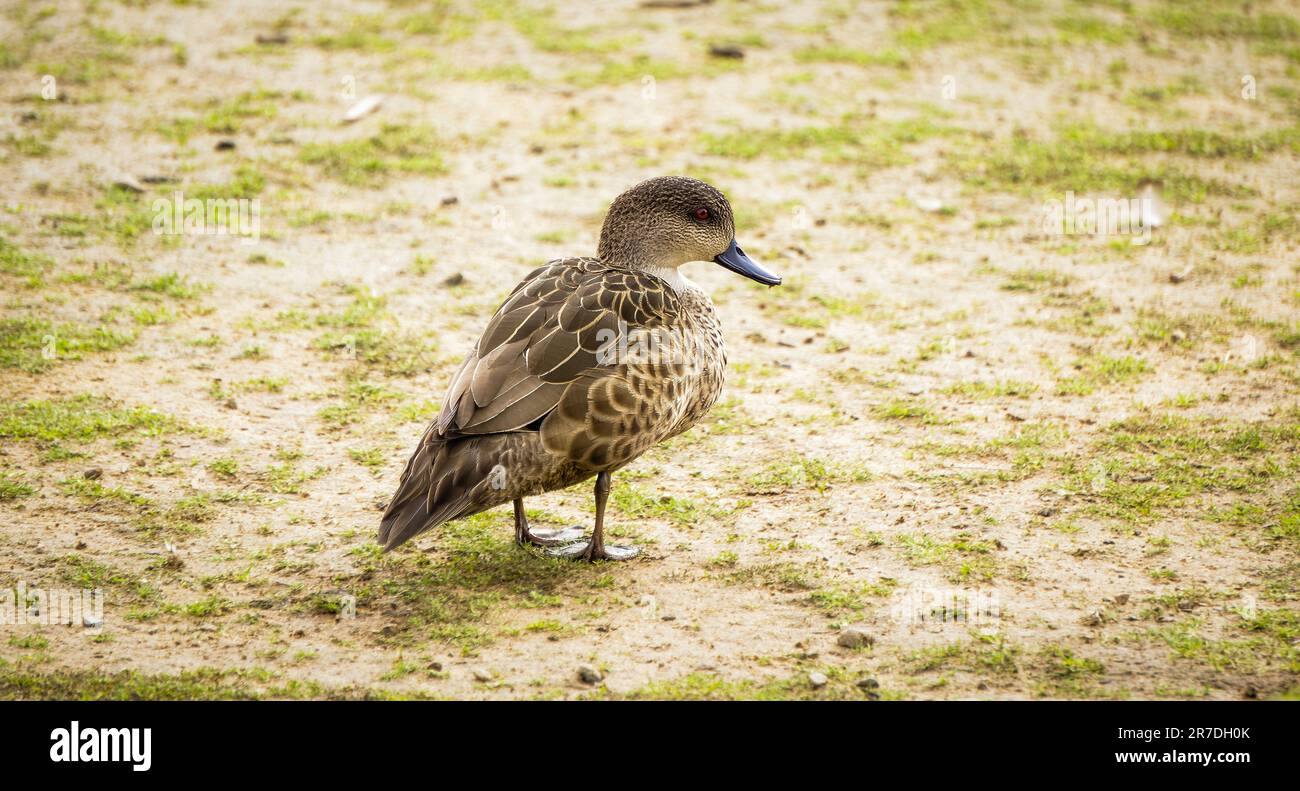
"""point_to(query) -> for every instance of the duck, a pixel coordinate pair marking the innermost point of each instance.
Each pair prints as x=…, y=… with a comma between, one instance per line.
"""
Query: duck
x=589, y=363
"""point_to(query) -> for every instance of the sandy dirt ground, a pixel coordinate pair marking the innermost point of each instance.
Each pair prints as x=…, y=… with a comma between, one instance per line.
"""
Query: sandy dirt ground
x=965, y=451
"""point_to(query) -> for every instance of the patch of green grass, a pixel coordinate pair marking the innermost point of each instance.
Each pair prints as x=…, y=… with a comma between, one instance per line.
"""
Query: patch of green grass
x=711, y=686
x=924, y=24
x=453, y=595
x=371, y=458
x=36, y=345
x=962, y=556
x=998, y=388
x=834, y=600
x=898, y=59
x=899, y=409
x=1226, y=21
x=804, y=472
x=20, y=263
x=853, y=140
x=634, y=502
x=1096, y=371
x=985, y=653
x=17, y=683
x=94, y=491
x=1082, y=158
x=31, y=642
x=171, y=284
x=81, y=418
x=371, y=161
x=13, y=488
x=541, y=29
x=1035, y=280
x=1148, y=466
x=82, y=572
x=360, y=33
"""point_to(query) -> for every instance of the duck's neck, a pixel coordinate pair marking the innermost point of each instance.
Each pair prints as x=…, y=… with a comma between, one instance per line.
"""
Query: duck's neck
x=630, y=259
x=671, y=276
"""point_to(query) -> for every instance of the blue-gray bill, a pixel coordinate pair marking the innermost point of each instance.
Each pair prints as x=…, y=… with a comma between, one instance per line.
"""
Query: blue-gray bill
x=735, y=259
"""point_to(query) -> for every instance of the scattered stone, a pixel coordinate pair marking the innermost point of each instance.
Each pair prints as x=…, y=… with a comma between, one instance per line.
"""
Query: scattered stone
x=868, y=683
x=1121, y=598
x=482, y=675
x=91, y=621
x=673, y=3
x=455, y=280
x=450, y=200
x=93, y=474
x=128, y=182
x=435, y=666
x=853, y=637
x=589, y=674
x=818, y=680
x=1046, y=510
x=272, y=38
x=230, y=404
x=669, y=618
x=1178, y=277
x=727, y=51
x=363, y=108
x=224, y=145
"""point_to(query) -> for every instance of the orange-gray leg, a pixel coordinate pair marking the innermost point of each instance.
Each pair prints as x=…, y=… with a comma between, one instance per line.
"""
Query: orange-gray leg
x=542, y=537
x=595, y=549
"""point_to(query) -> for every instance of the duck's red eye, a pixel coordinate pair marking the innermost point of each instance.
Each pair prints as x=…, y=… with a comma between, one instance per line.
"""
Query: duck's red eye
x=701, y=214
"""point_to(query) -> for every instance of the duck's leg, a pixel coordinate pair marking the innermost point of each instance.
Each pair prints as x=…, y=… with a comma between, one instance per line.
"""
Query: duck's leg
x=595, y=549
x=541, y=537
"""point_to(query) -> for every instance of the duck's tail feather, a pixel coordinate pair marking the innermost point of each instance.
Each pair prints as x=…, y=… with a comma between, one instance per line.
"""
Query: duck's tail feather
x=445, y=479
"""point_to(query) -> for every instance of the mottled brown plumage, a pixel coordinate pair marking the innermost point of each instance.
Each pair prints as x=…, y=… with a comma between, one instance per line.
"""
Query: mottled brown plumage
x=588, y=363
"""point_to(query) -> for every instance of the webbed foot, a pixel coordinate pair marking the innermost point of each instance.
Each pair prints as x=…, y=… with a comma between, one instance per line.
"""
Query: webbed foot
x=589, y=552
x=544, y=537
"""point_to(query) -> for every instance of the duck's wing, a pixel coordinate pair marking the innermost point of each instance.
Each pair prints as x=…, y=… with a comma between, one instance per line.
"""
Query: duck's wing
x=542, y=365
x=554, y=342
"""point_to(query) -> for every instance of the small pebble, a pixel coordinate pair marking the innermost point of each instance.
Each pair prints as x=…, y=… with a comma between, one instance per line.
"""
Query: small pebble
x=92, y=474
x=727, y=51
x=482, y=675
x=589, y=674
x=818, y=680
x=854, y=637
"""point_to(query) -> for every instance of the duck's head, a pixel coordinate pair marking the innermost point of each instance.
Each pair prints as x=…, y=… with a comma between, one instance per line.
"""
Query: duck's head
x=666, y=222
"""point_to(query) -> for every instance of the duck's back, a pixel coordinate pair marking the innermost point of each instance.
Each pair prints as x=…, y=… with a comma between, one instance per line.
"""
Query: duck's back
x=604, y=361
